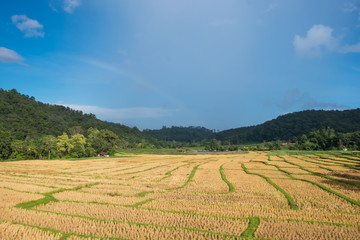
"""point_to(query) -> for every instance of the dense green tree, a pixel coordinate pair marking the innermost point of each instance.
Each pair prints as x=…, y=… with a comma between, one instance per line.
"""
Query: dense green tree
x=213, y=145
x=75, y=130
x=111, y=141
x=78, y=143
x=49, y=142
x=18, y=149
x=103, y=140
x=5, y=145
x=64, y=144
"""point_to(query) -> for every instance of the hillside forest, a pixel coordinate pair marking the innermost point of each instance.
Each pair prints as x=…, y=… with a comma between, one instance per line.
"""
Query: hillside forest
x=30, y=129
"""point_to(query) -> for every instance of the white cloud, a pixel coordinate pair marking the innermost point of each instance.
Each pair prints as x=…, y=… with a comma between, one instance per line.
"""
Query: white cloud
x=31, y=27
x=70, y=5
x=122, y=113
x=350, y=7
x=317, y=39
x=10, y=56
x=351, y=48
x=272, y=6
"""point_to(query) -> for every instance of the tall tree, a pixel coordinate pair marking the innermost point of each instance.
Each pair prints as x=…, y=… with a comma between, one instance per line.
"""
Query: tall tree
x=78, y=142
x=5, y=145
x=49, y=144
x=63, y=144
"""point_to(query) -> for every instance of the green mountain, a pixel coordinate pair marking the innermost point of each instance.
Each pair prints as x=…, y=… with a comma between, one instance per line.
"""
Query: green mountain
x=180, y=134
x=23, y=116
x=293, y=125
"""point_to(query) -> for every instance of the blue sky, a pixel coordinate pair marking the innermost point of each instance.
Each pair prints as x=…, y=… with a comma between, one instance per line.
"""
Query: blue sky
x=215, y=63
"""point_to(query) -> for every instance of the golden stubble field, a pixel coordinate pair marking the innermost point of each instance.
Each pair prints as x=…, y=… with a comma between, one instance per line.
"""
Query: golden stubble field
x=240, y=196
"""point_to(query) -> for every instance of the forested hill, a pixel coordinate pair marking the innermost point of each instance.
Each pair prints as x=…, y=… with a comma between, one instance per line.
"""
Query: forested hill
x=180, y=134
x=23, y=116
x=292, y=125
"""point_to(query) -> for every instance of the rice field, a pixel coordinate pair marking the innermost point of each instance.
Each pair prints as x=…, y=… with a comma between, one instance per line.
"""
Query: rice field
x=237, y=196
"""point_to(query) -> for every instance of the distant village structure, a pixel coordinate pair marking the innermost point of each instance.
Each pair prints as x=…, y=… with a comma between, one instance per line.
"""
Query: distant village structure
x=103, y=154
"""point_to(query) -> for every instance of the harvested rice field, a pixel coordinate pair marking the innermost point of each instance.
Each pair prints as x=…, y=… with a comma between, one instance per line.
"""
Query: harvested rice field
x=257, y=195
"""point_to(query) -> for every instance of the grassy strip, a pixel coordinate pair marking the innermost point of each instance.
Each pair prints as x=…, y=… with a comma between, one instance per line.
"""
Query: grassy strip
x=52, y=231
x=141, y=224
x=34, y=184
x=64, y=235
x=337, y=162
x=48, y=197
x=352, y=167
x=45, y=200
x=191, y=176
x=352, y=201
x=143, y=194
x=11, y=189
x=287, y=196
x=169, y=173
x=89, y=158
x=312, y=222
x=223, y=177
x=148, y=169
x=250, y=231
x=318, y=161
x=137, y=205
x=120, y=170
x=55, y=179
x=348, y=158
x=329, y=169
x=322, y=175
x=345, y=163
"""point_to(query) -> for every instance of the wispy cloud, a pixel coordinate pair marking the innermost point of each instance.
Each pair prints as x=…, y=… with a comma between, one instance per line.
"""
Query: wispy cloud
x=70, y=5
x=350, y=7
x=272, y=6
x=10, y=56
x=353, y=7
x=122, y=113
x=31, y=27
x=294, y=98
x=351, y=48
x=317, y=39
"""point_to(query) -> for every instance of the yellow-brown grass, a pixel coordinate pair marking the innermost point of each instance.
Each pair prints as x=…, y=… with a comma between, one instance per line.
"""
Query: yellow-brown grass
x=14, y=231
x=308, y=196
x=9, y=198
x=163, y=197
x=225, y=226
x=94, y=228
x=297, y=230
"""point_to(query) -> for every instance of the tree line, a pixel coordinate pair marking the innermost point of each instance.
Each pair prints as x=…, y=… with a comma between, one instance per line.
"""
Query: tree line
x=327, y=139
x=291, y=125
x=73, y=145
x=319, y=140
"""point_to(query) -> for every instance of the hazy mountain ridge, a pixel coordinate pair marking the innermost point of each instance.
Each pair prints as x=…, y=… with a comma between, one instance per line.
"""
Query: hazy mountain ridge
x=293, y=125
